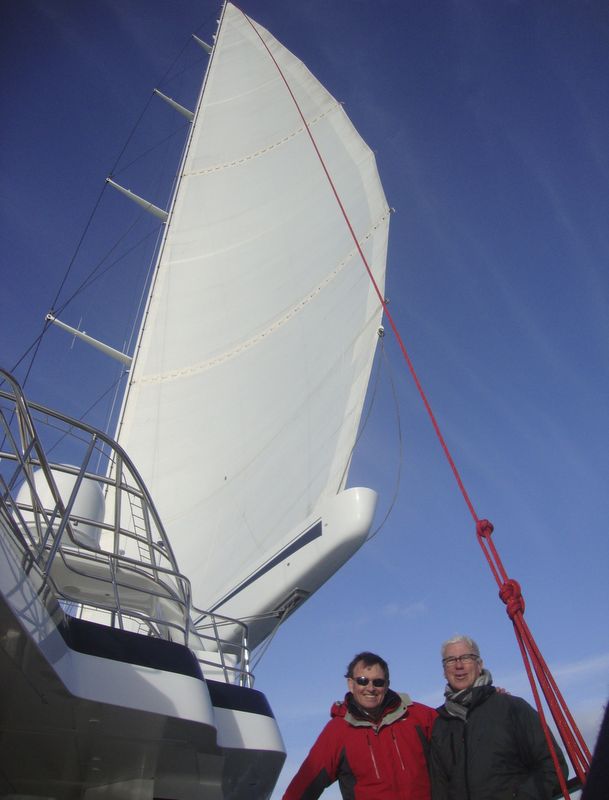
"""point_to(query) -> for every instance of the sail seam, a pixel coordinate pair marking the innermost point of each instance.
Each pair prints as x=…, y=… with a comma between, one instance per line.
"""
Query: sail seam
x=257, y=153
x=295, y=309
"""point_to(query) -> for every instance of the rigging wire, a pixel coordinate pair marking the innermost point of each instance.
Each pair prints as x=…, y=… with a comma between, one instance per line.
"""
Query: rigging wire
x=70, y=431
x=571, y=736
x=54, y=305
x=86, y=283
x=152, y=148
x=96, y=273
x=398, y=479
x=33, y=349
x=363, y=425
x=261, y=651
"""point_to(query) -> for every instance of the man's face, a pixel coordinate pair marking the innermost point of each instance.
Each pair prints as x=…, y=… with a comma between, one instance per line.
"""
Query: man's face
x=461, y=674
x=368, y=697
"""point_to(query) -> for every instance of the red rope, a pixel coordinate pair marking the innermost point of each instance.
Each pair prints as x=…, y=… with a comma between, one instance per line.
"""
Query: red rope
x=510, y=593
x=509, y=590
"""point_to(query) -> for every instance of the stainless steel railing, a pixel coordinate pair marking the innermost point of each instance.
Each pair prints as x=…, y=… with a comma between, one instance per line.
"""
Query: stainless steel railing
x=93, y=534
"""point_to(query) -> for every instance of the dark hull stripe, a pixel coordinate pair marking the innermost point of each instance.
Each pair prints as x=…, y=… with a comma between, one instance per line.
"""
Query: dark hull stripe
x=94, y=639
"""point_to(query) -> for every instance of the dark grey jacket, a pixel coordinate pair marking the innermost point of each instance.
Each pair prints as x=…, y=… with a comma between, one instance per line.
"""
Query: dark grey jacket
x=499, y=753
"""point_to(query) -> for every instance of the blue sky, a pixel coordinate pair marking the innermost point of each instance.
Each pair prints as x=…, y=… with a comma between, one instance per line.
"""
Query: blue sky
x=490, y=124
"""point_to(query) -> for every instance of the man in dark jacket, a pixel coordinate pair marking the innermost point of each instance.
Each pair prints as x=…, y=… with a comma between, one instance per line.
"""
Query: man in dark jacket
x=374, y=745
x=598, y=777
x=486, y=745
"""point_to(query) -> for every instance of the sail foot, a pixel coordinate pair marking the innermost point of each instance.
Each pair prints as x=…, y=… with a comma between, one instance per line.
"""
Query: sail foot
x=311, y=556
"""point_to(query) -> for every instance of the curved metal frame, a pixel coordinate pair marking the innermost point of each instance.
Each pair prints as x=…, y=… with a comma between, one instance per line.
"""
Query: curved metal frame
x=131, y=581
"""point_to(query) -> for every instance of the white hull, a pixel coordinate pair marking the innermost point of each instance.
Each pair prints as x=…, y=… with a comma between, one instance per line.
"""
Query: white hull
x=83, y=725
x=92, y=711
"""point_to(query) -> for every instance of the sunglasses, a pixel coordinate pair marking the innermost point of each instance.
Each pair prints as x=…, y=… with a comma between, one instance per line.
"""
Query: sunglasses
x=362, y=681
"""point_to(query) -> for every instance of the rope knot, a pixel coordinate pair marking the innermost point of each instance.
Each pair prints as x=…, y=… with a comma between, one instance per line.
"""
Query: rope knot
x=484, y=528
x=511, y=595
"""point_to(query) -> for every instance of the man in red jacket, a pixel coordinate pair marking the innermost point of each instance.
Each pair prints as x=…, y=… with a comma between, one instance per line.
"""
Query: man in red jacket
x=375, y=745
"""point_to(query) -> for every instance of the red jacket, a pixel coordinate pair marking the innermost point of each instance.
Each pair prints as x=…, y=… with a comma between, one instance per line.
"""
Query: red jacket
x=382, y=761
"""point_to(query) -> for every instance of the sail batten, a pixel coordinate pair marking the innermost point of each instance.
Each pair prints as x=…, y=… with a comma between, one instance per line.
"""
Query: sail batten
x=261, y=327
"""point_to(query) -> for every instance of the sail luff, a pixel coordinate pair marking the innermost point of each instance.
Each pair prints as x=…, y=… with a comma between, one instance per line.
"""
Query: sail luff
x=166, y=229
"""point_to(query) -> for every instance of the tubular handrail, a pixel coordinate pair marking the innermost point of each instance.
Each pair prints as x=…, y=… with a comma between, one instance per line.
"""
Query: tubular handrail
x=120, y=569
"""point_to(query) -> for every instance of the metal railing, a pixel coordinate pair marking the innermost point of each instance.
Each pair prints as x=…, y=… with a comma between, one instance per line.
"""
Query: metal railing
x=94, y=536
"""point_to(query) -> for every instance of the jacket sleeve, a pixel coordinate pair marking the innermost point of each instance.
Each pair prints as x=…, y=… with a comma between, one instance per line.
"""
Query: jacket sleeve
x=437, y=772
x=319, y=769
x=428, y=716
x=542, y=781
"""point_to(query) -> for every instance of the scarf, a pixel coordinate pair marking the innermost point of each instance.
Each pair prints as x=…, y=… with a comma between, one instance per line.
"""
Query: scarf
x=457, y=703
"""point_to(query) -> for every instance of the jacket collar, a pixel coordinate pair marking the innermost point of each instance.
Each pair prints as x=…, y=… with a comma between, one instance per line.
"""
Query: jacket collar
x=394, y=707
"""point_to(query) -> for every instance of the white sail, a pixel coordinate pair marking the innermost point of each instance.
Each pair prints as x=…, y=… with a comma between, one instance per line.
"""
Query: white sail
x=256, y=348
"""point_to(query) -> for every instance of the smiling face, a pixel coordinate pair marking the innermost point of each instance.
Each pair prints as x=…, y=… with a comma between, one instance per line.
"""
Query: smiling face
x=368, y=697
x=461, y=674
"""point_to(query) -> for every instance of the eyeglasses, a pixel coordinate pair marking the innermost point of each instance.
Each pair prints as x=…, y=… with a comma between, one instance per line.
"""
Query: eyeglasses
x=362, y=681
x=450, y=661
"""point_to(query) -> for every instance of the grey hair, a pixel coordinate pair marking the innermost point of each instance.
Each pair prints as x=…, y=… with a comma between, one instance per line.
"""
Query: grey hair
x=460, y=638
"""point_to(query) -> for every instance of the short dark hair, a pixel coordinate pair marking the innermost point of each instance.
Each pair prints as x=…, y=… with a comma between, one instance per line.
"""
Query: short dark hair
x=369, y=659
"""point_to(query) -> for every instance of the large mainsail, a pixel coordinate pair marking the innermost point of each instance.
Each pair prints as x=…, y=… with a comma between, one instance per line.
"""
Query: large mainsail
x=257, y=344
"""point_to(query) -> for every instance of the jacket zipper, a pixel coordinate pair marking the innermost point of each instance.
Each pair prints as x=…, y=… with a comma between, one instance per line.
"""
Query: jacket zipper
x=373, y=758
x=397, y=749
